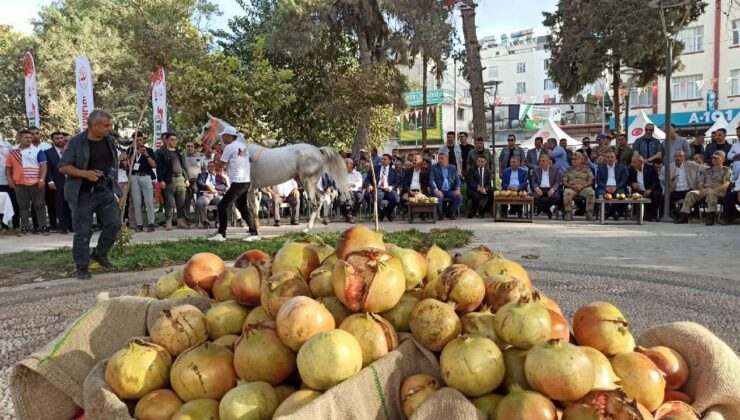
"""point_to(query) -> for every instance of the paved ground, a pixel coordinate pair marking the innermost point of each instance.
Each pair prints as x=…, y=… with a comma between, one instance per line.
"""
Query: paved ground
x=655, y=273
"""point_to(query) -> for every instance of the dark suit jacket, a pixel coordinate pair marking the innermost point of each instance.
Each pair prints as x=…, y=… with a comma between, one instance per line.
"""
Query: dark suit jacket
x=531, y=161
x=203, y=179
x=472, y=178
x=621, y=175
x=649, y=177
x=436, y=179
x=521, y=177
x=78, y=155
x=52, y=168
x=164, y=164
x=553, y=173
x=394, y=178
x=423, y=180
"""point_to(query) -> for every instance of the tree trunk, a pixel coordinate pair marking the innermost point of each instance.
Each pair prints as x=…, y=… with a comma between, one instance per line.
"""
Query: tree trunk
x=616, y=88
x=475, y=69
x=366, y=68
x=425, y=68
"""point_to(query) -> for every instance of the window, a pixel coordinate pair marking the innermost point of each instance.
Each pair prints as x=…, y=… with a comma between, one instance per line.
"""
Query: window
x=521, y=67
x=735, y=82
x=461, y=114
x=550, y=85
x=736, y=32
x=684, y=87
x=641, y=98
x=692, y=38
x=493, y=71
x=547, y=64
x=521, y=87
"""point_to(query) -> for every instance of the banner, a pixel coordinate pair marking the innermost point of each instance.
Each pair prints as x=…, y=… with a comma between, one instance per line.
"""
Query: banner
x=159, y=102
x=83, y=77
x=32, y=95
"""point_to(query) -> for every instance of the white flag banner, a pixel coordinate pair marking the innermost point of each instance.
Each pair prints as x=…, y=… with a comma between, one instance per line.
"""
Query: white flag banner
x=32, y=95
x=159, y=102
x=84, y=84
x=699, y=84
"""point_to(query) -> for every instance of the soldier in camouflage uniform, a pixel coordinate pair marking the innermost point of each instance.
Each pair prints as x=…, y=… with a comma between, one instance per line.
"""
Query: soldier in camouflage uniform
x=602, y=149
x=712, y=188
x=578, y=181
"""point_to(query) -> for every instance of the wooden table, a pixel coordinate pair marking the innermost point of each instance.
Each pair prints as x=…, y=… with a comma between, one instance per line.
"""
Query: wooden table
x=423, y=208
x=640, y=203
x=527, y=202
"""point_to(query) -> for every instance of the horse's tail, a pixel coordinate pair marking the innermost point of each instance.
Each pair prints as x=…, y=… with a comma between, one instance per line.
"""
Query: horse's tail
x=335, y=167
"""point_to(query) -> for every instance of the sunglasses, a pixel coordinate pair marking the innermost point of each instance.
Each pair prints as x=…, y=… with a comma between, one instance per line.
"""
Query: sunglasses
x=649, y=129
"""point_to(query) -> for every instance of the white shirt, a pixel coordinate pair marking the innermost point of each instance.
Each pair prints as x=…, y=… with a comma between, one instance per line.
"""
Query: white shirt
x=354, y=179
x=236, y=157
x=44, y=146
x=545, y=179
x=284, y=189
x=514, y=179
x=122, y=173
x=641, y=180
x=682, y=182
x=415, y=182
x=383, y=180
x=611, y=179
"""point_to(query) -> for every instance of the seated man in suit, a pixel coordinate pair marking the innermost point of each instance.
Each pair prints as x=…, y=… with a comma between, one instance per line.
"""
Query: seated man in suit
x=685, y=175
x=514, y=179
x=480, y=187
x=644, y=180
x=349, y=204
x=546, y=186
x=388, y=181
x=578, y=182
x=211, y=189
x=612, y=178
x=416, y=179
x=445, y=184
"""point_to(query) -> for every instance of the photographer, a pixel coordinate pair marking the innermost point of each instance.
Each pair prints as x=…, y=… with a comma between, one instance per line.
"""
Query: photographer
x=90, y=164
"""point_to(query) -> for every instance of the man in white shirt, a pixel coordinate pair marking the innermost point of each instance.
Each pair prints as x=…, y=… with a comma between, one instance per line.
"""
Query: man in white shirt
x=287, y=192
x=237, y=160
x=685, y=176
x=349, y=204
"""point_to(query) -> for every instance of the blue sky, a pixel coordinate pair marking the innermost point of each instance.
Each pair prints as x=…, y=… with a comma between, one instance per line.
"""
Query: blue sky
x=495, y=17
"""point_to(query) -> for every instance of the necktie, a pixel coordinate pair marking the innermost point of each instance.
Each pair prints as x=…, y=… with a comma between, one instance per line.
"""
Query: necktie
x=481, y=177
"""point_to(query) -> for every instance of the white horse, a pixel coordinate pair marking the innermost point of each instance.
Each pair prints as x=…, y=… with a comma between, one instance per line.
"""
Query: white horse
x=303, y=162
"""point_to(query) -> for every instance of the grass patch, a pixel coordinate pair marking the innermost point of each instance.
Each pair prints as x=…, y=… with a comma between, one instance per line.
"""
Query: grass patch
x=136, y=257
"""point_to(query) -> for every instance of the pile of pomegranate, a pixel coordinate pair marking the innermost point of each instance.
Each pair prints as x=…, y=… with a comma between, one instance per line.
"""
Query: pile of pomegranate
x=284, y=329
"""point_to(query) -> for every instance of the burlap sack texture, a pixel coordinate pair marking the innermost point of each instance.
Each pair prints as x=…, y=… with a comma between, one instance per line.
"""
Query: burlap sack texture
x=49, y=383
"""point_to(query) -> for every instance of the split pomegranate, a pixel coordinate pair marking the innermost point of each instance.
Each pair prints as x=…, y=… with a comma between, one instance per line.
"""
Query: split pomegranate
x=676, y=410
x=525, y=405
x=461, y=285
x=602, y=326
x=369, y=280
x=472, y=364
x=474, y=257
x=672, y=364
x=415, y=390
x=337, y=349
x=259, y=355
x=179, y=328
x=205, y=371
x=502, y=289
x=375, y=335
x=161, y=404
x=300, y=318
x=523, y=324
x=434, y=324
x=640, y=378
x=247, y=285
x=559, y=370
x=279, y=288
x=606, y=405
x=202, y=269
x=356, y=238
x=138, y=369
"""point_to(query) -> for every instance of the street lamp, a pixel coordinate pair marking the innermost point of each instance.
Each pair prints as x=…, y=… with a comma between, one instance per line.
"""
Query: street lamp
x=494, y=84
x=662, y=6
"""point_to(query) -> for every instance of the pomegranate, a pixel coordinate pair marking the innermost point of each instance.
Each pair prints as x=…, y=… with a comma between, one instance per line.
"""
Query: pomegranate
x=258, y=315
x=375, y=335
x=221, y=289
x=295, y=402
x=604, y=377
x=337, y=309
x=247, y=285
x=437, y=260
x=602, y=326
x=356, y=238
x=335, y=348
x=523, y=324
x=322, y=251
x=297, y=258
x=184, y=291
x=253, y=257
x=202, y=269
x=481, y=323
x=473, y=365
x=606, y=405
x=228, y=341
x=672, y=364
x=559, y=328
x=284, y=391
x=369, y=280
x=474, y=257
x=500, y=265
x=414, y=265
x=225, y=318
x=280, y=287
x=488, y=404
x=415, y=390
x=179, y=328
x=205, y=371
x=137, y=369
x=167, y=284
x=640, y=378
x=549, y=303
x=157, y=405
x=434, y=324
x=253, y=400
x=330, y=261
x=559, y=370
x=514, y=373
x=459, y=284
x=320, y=282
x=525, y=405
x=202, y=408
x=399, y=315
x=502, y=289
x=300, y=318
x=259, y=355
x=677, y=396
x=676, y=410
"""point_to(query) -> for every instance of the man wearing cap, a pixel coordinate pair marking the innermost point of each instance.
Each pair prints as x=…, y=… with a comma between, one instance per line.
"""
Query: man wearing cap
x=237, y=160
x=712, y=187
x=719, y=143
x=648, y=146
x=602, y=149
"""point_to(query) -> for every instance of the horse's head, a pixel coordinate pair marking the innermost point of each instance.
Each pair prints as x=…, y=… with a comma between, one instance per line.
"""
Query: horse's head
x=210, y=133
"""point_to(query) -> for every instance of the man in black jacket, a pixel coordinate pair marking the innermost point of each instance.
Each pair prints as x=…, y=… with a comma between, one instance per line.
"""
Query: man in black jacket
x=644, y=180
x=55, y=182
x=480, y=188
x=173, y=181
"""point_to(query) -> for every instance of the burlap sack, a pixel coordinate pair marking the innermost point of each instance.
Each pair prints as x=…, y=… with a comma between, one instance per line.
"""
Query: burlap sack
x=448, y=403
x=714, y=369
x=48, y=384
x=99, y=400
x=374, y=393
